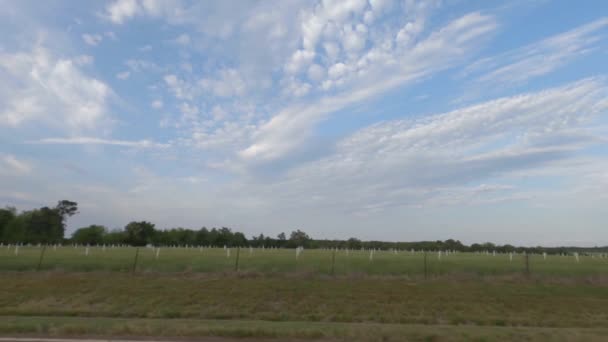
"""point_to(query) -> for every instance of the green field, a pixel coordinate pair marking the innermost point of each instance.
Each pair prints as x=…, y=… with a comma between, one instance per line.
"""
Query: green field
x=322, y=294
x=366, y=308
x=271, y=261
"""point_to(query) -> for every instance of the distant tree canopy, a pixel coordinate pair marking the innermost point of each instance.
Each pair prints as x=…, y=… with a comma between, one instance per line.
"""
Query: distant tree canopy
x=91, y=235
x=6, y=216
x=140, y=233
x=43, y=225
x=47, y=226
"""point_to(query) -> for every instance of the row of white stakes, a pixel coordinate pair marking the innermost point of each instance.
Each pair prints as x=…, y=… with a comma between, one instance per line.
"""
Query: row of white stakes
x=298, y=251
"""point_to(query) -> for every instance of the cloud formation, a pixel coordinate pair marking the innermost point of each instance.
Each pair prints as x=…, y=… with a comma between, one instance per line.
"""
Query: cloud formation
x=388, y=119
x=42, y=87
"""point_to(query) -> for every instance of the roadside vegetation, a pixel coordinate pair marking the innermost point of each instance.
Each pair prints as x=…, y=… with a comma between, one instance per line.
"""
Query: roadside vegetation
x=304, y=306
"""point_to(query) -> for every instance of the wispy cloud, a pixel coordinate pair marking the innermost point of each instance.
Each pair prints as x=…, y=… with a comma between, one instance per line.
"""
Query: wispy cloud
x=539, y=58
x=92, y=39
x=99, y=141
x=412, y=162
x=11, y=164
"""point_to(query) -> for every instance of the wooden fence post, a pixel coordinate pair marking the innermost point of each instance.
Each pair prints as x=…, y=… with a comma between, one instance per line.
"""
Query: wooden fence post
x=41, y=256
x=425, y=266
x=236, y=263
x=333, y=261
x=135, y=260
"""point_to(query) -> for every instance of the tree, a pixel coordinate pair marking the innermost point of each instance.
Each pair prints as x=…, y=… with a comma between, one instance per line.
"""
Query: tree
x=353, y=243
x=14, y=231
x=91, y=235
x=42, y=225
x=139, y=233
x=298, y=239
x=202, y=237
x=6, y=216
x=45, y=225
x=239, y=239
x=115, y=237
x=66, y=209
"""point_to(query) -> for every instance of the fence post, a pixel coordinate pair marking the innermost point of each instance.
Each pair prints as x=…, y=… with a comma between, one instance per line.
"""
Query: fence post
x=425, y=266
x=41, y=256
x=236, y=263
x=333, y=261
x=135, y=260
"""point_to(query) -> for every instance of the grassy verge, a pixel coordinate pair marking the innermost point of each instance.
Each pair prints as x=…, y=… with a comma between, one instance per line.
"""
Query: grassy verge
x=262, y=330
x=445, y=300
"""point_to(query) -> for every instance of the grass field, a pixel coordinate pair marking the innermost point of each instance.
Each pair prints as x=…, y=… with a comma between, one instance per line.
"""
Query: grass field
x=375, y=308
x=189, y=292
x=215, y=260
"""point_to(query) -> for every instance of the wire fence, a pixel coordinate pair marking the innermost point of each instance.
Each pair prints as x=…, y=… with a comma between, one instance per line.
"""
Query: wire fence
x=205, y=259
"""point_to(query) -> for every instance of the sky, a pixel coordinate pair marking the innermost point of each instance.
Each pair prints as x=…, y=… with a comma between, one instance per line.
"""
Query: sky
x=376, y=119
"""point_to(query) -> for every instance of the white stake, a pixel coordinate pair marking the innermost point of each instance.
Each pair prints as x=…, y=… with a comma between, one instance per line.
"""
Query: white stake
x=511, y=256
x=544, y=255
x=439, y=255
x=576, y=256
x=227, y=252
x=157, y=252
x=16, y=249
x=371, y=255
x=86, y=251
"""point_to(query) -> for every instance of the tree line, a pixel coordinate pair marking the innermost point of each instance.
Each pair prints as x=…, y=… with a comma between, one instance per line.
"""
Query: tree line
x=46, y=225
x=43, y=225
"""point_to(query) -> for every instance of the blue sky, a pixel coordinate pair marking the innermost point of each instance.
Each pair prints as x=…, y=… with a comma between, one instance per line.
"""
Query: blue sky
x=379, y=119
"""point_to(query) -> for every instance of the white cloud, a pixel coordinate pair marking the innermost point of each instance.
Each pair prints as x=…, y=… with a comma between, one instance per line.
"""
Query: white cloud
x=157, y=104
x=540, y=58
x=50, y=89
x=99, y=141
x=121, y=10
x=299, y=60
x=92, y=39
x=83, y=60
x=316, y=72
x=294, y=87
x=111, y=35
x=138, y=65
x=11, y=164
x=189, y=111
x=123, y=75
x=446, y=159
x=183, y=39
x=180, y=89
x=228, y=82
x=442, y=49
